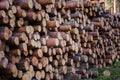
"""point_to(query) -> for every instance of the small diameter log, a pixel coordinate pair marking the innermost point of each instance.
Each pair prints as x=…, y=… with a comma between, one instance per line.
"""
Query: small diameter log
x=58, y=51
x=58, y=5
x=81, y=71
x=62, y=69
x=61, y=62
x=30, y=15
x=38, y=75
x=44, y=49
x=38, y=53
x=3, y=63
x=23, y=64
x=43, y=74
x=65, y=36
x=2, y=13
x=5, y=33
x=71, y=70
x=13, y=40
x=84, y=58
x=16, y=52
x=2, y=55
x=20, y=13
x=20, y=74
x=44, y=61
x=48, y=68
x=37, y=28
x=87, y=51
x=24, y=29
x=76, y=15
x=25, y=77
x=55, y=63
x=34, y=61
x=22, y=37
x=94, y=34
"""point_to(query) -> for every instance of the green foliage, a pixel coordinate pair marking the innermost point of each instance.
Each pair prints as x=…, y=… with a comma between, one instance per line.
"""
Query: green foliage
x=113, y=69
x=110, y=3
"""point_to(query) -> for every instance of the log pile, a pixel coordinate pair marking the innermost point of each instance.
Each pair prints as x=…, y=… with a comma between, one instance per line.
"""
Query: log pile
x=48, y=39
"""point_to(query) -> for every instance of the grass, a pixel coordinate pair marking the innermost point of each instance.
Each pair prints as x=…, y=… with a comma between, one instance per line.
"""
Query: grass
x=109, y=73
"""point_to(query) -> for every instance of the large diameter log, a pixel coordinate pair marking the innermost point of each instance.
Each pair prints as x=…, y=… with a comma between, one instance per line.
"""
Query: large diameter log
x=4, y=5
x=26, y=4
x=55, y=35
x=72, y=5
x=52, y=42
x=45, y=2
x=65, y=28
x=52, y=24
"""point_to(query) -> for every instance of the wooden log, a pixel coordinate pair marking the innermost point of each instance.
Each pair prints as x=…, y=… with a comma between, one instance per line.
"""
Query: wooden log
x=44, y=61
x=13, y=40
x=20, y=12
x=42, y=2
x=20, y=74
x=61, y=62
x=25, y=77
x=34, y=61
x=38, y=53
x=48, y=68
x=76, y=15
x=65, y=36
x=3, y=63
x=87, y=51
x=43, y=74
x=84, y=58
x=55, y=35
x=62, y=69
x=22, y=37
x=72, y=5
x=65, y=28
x=82, y=71
x=58, y=5
x=24, y=64
x=25, y=4
x=4, y=5
x=38, y=75
x=31, y=16
x=52, y=42
x=16, y=52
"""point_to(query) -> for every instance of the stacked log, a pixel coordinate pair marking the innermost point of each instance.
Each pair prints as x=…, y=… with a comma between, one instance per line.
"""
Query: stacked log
x=48, y=39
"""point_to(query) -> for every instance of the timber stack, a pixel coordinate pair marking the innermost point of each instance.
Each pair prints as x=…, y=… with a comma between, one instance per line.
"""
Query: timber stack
x=48, y=39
